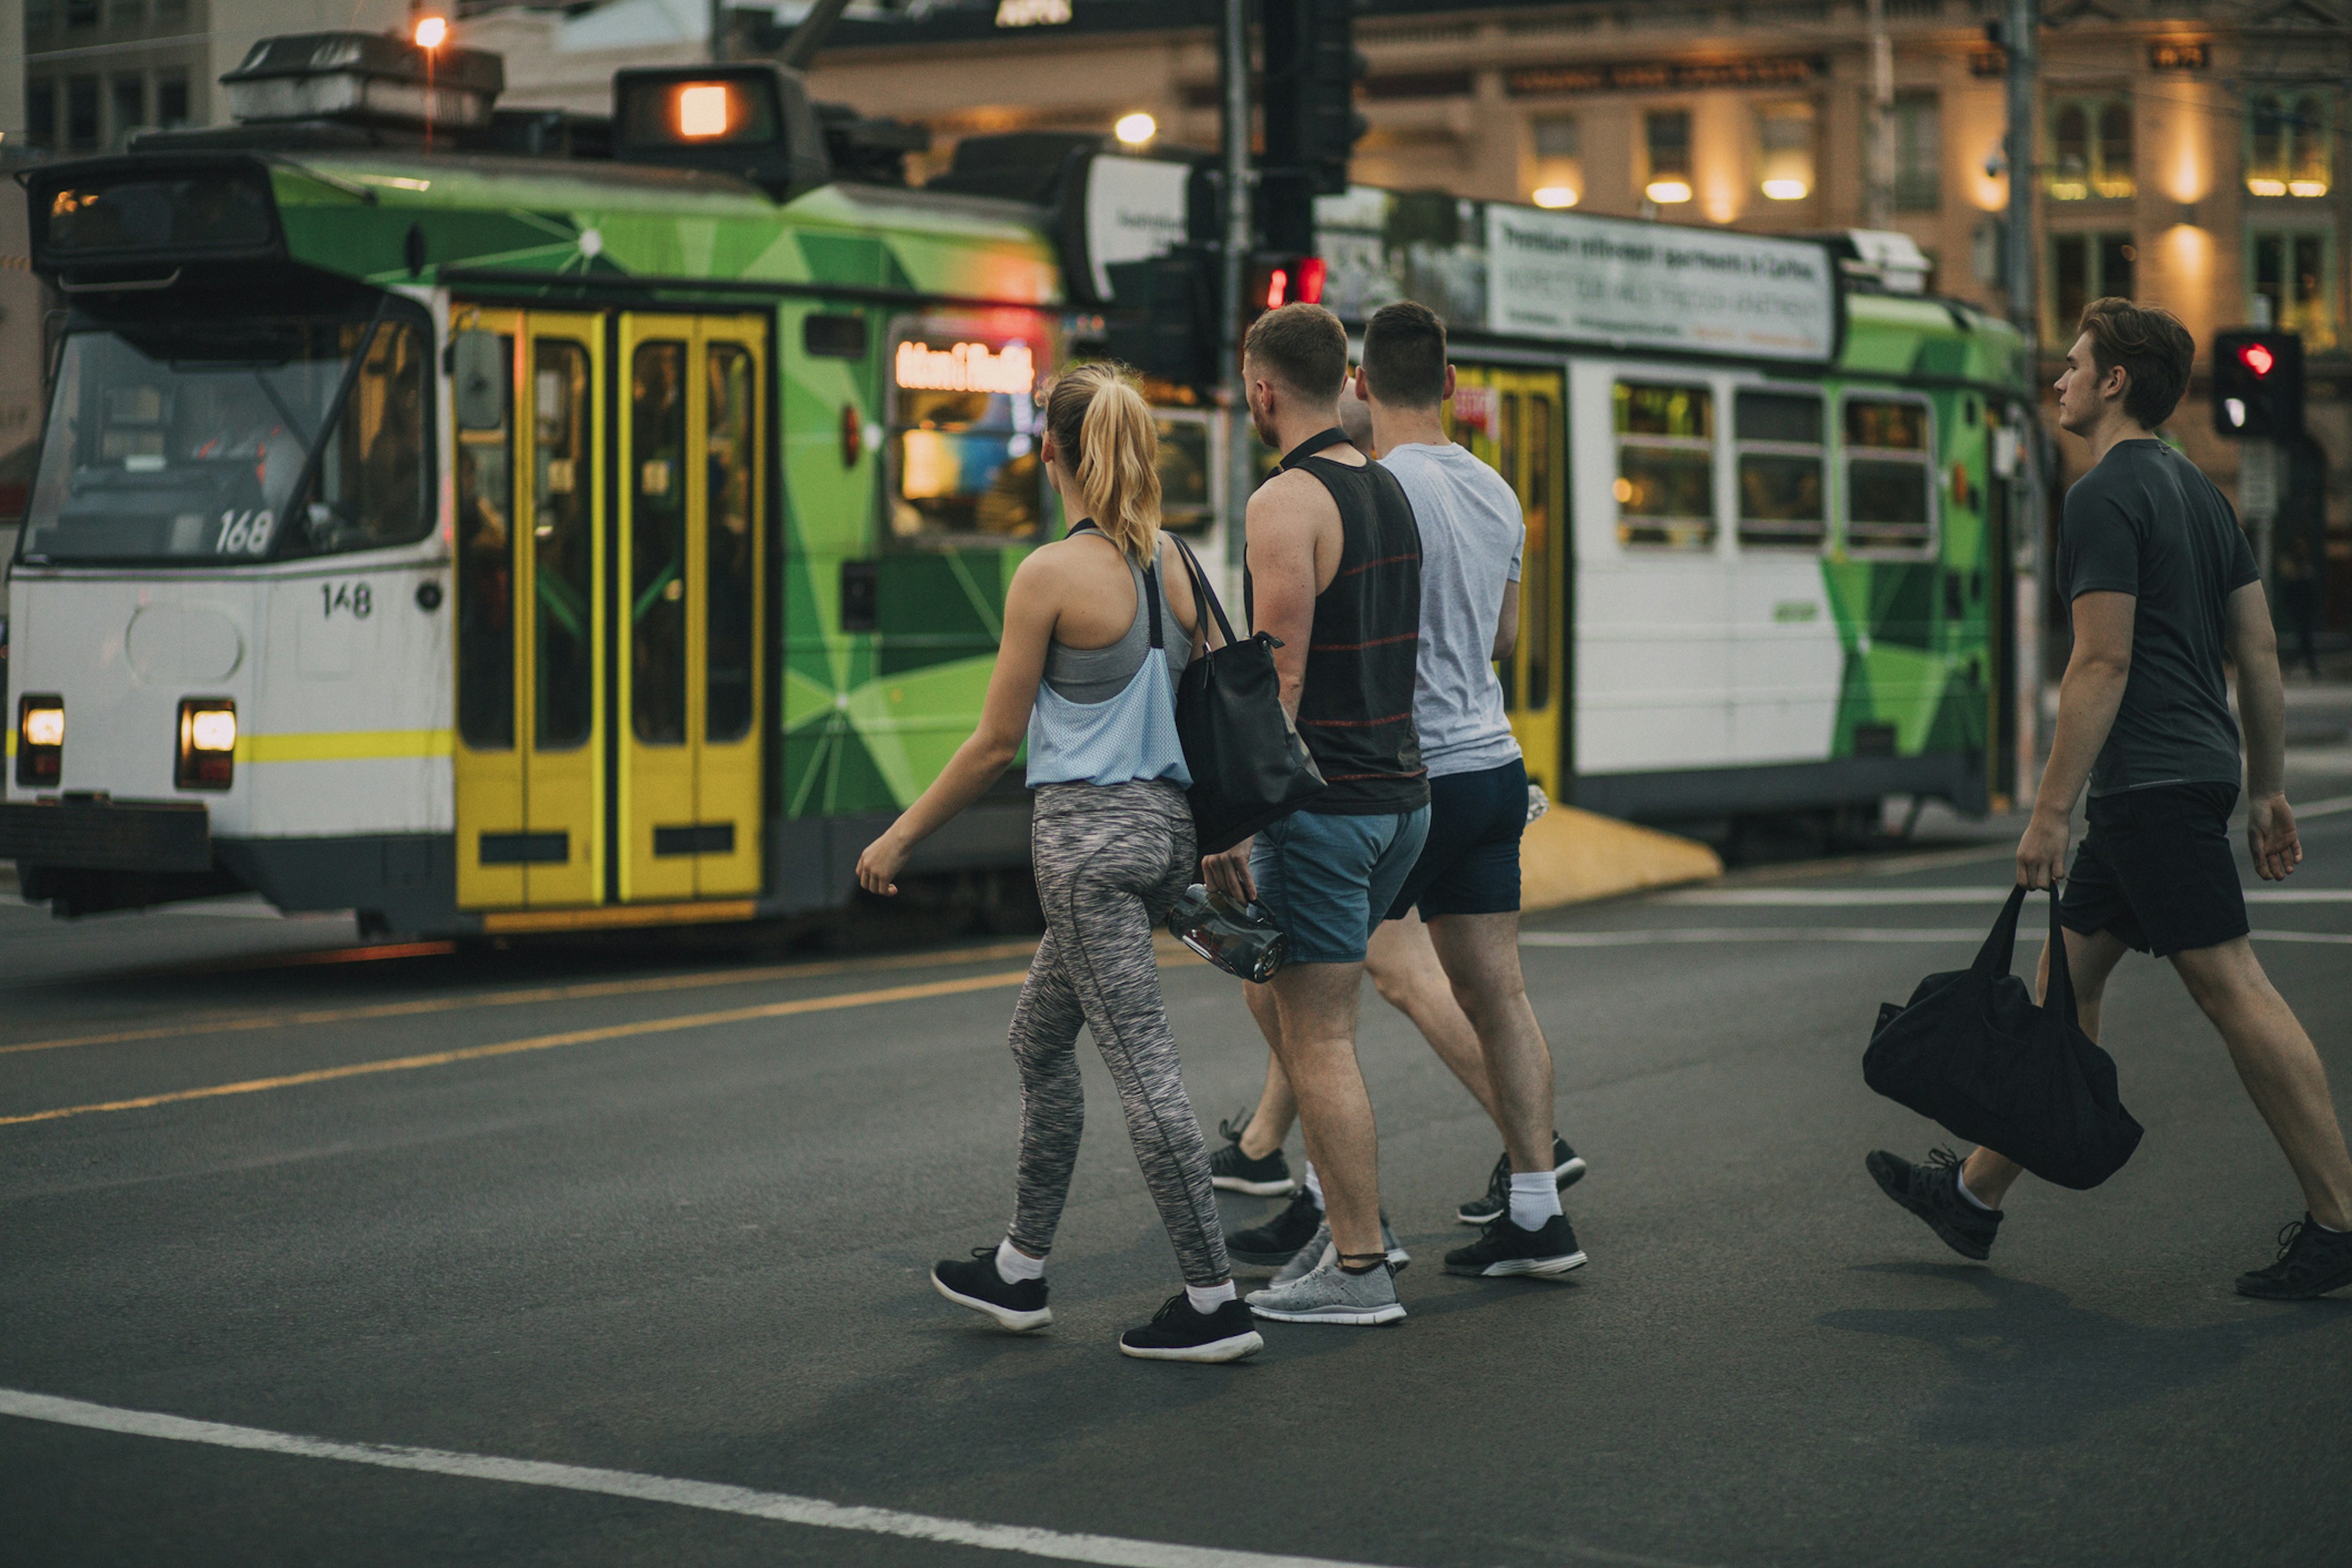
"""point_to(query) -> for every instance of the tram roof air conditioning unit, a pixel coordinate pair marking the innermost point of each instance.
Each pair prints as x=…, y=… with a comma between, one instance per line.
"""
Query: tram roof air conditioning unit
x=365, y=78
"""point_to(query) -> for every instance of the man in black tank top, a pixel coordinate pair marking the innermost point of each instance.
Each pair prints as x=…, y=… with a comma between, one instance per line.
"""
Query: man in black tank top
x=1333, y=571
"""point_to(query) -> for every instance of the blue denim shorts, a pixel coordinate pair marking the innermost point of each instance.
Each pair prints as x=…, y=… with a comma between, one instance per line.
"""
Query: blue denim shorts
x=1328, y=881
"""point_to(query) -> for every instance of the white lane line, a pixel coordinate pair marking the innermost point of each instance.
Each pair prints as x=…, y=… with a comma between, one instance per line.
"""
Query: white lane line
x=1897, y=898
x=1701, y=935
x=708, y=1495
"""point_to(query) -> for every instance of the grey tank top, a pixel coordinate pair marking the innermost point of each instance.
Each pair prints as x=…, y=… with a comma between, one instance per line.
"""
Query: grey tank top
x=1099, y=674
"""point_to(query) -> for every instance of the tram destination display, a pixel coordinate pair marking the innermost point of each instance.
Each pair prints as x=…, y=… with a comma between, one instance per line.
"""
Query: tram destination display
x=1645, y=285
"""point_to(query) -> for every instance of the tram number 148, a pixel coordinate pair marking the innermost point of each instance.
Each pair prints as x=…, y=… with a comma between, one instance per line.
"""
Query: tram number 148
x=353, y=599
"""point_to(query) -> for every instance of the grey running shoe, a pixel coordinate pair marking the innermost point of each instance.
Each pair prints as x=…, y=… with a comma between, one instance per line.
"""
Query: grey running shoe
x=1330, y=1294
x=1304, y=1260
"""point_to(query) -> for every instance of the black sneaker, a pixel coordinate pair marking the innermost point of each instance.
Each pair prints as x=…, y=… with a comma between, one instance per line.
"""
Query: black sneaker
x=1507, y=1249
x=1567, y=1170
x=1272, y=1244
x=2311, y=1262
x=1016, y=1304
x=1932, y=1192
x=1177, y=1332
x=1232, y=1171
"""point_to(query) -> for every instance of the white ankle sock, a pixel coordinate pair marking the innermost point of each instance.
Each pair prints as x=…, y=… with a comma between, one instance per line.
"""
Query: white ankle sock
x=1961, y=1182
x=2328, y=1228
x=1013, y=1264
x=1534, y=1198
x=1207, y=1298
x=1314, y=1183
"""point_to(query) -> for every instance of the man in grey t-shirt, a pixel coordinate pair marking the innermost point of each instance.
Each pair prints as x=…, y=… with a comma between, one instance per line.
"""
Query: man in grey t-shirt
x=2163, y=588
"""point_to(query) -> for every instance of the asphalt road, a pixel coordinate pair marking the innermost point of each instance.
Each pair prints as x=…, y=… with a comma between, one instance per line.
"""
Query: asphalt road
x=667, y=1211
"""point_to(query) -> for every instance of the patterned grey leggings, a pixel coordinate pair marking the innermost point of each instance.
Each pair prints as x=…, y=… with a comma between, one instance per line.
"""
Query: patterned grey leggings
x=1109, y=861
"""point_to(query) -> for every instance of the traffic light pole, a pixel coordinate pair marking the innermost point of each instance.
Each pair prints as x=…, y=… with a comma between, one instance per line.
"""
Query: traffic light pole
x=1234, y=127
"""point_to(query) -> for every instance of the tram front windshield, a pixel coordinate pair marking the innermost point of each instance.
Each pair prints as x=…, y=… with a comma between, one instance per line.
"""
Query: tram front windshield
x=186, y=443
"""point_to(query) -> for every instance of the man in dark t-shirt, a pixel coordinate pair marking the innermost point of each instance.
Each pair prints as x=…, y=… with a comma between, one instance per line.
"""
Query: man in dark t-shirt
x=2164, y=589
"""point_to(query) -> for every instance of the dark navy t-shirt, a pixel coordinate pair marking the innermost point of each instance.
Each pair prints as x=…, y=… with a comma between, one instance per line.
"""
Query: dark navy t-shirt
x=2147, y=522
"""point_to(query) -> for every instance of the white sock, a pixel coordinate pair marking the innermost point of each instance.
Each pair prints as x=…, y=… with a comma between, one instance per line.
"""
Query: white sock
x=1207, y=1298
x=1534, y=1198
x=1961, y=1182
x=1314, y=1183
x=2328, y=1228
x=1014, y=1264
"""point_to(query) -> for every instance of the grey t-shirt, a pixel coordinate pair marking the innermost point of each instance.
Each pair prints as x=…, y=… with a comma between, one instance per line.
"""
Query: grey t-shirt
x=1471, y=535
x=2147, y=522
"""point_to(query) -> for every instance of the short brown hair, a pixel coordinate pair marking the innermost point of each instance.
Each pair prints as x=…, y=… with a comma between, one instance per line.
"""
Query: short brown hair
x=1404, y=356
x=1302, y=347
x=2154, y=348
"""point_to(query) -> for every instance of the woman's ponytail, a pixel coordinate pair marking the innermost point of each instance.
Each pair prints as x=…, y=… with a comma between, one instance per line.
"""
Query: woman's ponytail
x=1106, y=435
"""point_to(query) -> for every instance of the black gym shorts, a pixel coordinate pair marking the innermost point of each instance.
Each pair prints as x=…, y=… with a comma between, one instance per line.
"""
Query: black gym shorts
x=2158, y=869
x=1470, y=863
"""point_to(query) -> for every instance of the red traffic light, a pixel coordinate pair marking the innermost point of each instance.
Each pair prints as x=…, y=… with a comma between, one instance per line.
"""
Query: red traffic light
x=2258, y=358
x=1298, y=282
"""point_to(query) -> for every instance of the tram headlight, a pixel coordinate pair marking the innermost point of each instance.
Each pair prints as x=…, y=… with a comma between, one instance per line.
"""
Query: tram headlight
x=40, y=740
x=208, y=744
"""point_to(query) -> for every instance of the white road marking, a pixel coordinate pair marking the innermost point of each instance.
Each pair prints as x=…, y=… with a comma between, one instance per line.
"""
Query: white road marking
x=1699, y=935
x=708, y=1495
x=1897, y=898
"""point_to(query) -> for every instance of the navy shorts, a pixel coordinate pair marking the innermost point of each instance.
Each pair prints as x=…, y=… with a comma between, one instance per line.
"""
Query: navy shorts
x=2158, y=871
x=1470, y=864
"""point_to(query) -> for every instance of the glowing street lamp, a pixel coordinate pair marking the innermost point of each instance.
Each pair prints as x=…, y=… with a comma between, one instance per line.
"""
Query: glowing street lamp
x=1135, y=129
x=432, y=32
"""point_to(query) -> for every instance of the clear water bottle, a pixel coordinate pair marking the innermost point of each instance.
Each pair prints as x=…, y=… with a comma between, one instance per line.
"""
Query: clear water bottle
x=1240, y=938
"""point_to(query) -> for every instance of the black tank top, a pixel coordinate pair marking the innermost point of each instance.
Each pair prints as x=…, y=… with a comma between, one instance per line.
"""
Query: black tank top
x=1355, y=711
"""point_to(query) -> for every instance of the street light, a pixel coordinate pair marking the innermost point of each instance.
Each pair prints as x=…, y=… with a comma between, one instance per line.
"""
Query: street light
x=432, y=32
x=1668, y=191
x=1135, y=129
x=1555, y=196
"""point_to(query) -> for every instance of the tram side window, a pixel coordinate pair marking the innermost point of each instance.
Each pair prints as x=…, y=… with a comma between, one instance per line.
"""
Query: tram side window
x=486, y=545
x=728, y=625
x=1535, y=567
x=562, y=545
x=1888, y=475
x=658, y=533
x=1782, y=467
x=1188, y=501
x=963, y=444
x=1665, y=466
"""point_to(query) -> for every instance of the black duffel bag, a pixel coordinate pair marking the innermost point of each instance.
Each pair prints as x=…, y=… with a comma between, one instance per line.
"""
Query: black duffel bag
x=1972, y=1051
x=1248, y=765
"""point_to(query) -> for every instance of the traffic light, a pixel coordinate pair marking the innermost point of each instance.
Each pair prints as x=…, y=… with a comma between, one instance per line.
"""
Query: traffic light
x=1311, y=123
x=1166, y=321
x=2258, y=384
x=1279, y=278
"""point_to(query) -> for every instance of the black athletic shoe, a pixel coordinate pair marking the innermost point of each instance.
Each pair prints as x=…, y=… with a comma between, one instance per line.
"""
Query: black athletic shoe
x=1232, y=1171
x=1932, y=1192
x=1567, y=1170
x=1505, y=1249
x=1177, y=1332
x=2311, y=1262
x=1272, y=1244
x=1016, y=1304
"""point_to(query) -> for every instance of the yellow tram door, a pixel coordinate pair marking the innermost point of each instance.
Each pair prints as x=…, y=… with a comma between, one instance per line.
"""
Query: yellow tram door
x=1515, y=421
x=690, y=559
x=530, y=745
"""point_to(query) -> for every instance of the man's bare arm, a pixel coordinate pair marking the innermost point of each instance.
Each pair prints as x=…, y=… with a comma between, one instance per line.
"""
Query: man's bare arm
x=2088, y=699
x=1288, y=518
x=1507, y=625
x=2271, y=836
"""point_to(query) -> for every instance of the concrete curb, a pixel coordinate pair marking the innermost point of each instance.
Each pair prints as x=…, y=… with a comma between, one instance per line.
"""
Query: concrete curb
x=1572, y=856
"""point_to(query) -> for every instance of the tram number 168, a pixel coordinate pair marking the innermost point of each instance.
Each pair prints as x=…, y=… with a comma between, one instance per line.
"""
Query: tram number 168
x=245, y=532
x=353, y=599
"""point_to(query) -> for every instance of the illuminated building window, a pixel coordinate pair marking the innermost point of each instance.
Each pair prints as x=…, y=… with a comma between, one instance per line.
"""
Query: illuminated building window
x=1560, y=162
x=964, y=432
x=2287, y=145
x=2091, y=150
x=2084, y=268
x=1918, y=152
x=2293, y=269
x=1784, y=140
x=1666, y=140
x=1664, y=487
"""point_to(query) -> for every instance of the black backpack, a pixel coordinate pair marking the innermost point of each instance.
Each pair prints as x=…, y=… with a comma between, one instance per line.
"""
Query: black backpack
x=1972, y=1051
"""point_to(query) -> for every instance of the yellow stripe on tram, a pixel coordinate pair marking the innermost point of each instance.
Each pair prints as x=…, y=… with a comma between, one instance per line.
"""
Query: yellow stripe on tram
x=342, y=745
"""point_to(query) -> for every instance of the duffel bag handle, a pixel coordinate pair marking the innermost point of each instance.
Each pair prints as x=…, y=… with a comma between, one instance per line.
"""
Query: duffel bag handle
x=2060, y=996
x=2000, y=947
